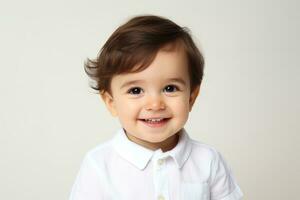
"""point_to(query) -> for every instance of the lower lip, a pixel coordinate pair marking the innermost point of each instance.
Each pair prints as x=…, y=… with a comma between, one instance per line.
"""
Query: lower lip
x=155, y=124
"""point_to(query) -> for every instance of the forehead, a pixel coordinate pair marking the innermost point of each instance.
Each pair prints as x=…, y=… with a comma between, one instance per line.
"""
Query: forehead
x=169, y=62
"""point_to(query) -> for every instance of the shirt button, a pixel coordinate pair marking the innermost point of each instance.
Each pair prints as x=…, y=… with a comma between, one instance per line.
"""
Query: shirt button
x=160, y=197
x=160, y=161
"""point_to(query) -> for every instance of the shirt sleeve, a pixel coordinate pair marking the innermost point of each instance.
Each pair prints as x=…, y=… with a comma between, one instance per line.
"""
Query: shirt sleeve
x=223, y=185
x=88, y=184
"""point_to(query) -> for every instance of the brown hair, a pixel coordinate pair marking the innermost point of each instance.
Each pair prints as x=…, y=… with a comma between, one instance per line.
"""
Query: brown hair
x=133, y=46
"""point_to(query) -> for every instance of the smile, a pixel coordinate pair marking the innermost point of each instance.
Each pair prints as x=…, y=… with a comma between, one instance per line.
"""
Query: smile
x=155, y=122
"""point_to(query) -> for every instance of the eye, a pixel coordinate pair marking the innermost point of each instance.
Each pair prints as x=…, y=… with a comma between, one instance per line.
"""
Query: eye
x=135, y=91
x=171, y=88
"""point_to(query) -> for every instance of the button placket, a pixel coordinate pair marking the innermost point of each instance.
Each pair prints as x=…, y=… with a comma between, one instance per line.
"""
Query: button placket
x=160, y=163
x=161, y=178
x=160, y=197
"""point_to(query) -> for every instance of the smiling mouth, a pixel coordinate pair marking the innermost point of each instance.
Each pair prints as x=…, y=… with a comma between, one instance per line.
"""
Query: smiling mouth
x=155, y=122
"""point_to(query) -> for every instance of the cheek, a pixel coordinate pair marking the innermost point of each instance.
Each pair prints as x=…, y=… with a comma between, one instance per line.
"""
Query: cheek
x=127, y=109
x=180, y=106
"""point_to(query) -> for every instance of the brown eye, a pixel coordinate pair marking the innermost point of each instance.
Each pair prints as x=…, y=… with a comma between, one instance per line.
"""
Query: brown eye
x=171, y=88
x=135, y=91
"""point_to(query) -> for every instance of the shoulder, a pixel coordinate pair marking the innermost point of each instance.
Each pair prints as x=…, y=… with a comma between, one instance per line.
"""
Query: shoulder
x=100, y=153
x=204, y=150
x=218, y=173
x=207, y=155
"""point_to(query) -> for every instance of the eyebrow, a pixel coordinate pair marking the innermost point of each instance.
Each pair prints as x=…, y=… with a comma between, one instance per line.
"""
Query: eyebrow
x=178, y=80
x=130, y=83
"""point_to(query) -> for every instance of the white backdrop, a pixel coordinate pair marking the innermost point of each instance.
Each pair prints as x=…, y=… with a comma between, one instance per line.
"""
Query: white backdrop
x=248, y=107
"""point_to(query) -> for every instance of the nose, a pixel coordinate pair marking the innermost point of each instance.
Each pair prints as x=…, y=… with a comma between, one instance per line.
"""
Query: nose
x=155, y=102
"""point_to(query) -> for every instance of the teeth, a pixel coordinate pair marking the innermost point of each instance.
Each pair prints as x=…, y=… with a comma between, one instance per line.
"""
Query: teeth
x=154, y=120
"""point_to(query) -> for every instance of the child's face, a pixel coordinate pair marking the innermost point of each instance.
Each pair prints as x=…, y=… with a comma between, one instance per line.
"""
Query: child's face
x=161, y=92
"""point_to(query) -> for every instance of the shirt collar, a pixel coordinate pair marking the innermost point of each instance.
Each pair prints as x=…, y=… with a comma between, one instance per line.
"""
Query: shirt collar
x=140, y=156
x=183, y=149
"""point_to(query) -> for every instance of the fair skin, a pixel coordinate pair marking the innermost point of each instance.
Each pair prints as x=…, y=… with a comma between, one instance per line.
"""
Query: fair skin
x=153, y=105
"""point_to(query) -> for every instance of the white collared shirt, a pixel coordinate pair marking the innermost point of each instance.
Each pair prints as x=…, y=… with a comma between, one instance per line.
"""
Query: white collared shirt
x=120, y=169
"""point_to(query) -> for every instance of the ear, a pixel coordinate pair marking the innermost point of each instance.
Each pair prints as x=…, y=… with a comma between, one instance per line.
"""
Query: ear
x=109, y=102
x=193, y=96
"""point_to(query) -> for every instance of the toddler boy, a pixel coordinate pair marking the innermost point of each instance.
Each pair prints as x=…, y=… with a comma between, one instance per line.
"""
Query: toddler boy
x=149, y=74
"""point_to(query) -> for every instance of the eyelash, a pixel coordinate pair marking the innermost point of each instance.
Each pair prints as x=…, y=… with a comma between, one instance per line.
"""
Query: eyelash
x=130, y=91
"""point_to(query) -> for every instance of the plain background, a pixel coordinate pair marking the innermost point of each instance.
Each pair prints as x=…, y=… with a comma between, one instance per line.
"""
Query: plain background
x=248, y=107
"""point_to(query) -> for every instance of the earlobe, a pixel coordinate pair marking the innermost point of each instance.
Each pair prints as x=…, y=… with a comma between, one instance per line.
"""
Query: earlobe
x=109, y=102
x=193, y=96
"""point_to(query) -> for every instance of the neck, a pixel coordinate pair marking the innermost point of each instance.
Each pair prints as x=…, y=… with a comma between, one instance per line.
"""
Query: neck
x=165, y=145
